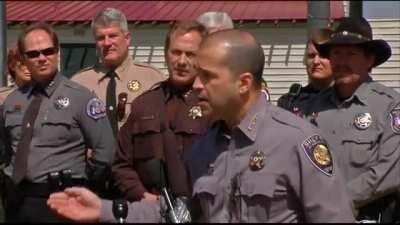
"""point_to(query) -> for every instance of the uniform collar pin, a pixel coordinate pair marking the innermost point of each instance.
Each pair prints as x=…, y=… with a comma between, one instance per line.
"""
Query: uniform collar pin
x=257, y=160
x=252, y=124
x=297, y=112
x=187, y=93
x=210, y=169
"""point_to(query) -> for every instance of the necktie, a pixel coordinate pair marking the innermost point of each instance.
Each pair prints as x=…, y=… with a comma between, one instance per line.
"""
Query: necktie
x=111, y=102
x=23, y=147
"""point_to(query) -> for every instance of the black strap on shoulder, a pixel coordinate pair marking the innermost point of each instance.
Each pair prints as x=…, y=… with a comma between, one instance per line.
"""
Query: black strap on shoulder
x=295, y=89
x=286, y=100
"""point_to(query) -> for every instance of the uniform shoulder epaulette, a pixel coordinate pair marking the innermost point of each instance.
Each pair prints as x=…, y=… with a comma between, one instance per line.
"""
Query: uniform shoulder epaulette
x=85, y=69
x=155, y=86
x=384, y=90
x=142, y=64
x=75, y=85
x=285, y=117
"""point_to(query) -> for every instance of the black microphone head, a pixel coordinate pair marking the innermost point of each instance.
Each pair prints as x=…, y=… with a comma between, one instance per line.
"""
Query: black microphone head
x=172, y=126
x=120, y=209
x=157, y=177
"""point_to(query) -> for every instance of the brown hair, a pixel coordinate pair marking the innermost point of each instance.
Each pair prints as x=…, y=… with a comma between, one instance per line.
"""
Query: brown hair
x=13, y=58
x=186, y=26
x=37, y=26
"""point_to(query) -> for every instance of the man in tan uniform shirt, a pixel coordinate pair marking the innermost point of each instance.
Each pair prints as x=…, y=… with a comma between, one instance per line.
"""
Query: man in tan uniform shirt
x=112, y=37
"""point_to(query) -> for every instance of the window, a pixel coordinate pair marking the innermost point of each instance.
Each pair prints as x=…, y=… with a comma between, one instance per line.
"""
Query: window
x=75, y=57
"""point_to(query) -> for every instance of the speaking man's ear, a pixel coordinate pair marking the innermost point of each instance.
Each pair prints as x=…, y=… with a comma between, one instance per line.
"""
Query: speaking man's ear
x=246, y=81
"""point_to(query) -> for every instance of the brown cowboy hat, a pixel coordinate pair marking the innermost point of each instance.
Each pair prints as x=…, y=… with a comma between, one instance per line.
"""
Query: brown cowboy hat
x=353, y=31
x=320, y=36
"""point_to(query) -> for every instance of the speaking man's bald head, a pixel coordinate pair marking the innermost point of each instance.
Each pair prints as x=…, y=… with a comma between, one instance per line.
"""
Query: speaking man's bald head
x=242, y=52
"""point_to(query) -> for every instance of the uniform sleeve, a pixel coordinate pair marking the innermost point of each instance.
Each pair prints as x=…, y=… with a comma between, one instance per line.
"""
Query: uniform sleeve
x=98, y=137
x=138, y=212
x=126, y=177
x=4, y=140
x=383, y=177
x=321, y=190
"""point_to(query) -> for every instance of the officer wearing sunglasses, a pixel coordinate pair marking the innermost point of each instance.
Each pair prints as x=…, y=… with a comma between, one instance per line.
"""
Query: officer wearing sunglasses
x=51, y=123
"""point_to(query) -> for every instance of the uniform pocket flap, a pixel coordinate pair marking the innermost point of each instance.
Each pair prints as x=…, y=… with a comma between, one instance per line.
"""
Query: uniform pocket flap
x=58, y=118
x=13, y=120
x=206, y=184
x=258, y=184
x=191, y=126
x=360, y=137
x=145, y=125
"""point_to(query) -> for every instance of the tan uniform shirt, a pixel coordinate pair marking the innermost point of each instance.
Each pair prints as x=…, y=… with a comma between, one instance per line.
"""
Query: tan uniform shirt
x=133, y=78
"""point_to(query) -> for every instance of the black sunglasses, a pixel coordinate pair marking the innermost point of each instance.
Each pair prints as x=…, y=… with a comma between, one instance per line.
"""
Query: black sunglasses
x=36, y=53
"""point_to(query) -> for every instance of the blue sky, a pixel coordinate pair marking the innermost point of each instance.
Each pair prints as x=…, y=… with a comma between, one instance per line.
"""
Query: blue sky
x=381, y=9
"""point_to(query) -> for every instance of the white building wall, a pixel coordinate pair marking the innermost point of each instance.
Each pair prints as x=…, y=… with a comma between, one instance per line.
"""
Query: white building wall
x=283, y=44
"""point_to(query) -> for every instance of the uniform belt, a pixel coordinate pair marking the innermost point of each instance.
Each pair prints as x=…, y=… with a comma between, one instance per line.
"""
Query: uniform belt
x=29, y=189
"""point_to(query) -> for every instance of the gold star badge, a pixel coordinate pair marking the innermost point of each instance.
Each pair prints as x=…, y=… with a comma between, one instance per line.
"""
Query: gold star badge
x=195, y=112
x=133, y=85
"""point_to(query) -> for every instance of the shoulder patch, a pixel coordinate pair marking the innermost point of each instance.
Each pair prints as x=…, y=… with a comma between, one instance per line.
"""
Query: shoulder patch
x=318, y=153
x=395, y=119
x=96, y=108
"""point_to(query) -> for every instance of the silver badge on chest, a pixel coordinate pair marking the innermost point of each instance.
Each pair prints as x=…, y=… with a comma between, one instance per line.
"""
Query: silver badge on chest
x=61, y=102
x=362, y=121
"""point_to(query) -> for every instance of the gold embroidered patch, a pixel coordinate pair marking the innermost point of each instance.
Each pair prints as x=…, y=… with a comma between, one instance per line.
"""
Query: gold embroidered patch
x=321, y=155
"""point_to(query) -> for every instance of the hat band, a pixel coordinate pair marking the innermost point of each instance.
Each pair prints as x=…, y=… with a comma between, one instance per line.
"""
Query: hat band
x=351, y=34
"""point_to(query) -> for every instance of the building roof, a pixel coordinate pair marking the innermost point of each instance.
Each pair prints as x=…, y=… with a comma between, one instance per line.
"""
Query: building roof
x=161, y=11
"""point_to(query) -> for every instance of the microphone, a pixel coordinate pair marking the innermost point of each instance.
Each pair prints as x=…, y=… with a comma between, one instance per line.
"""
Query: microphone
x=122, y=99
x=120, y=210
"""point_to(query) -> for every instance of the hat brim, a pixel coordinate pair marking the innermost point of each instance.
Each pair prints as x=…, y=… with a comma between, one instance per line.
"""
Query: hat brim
x=380, y=48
